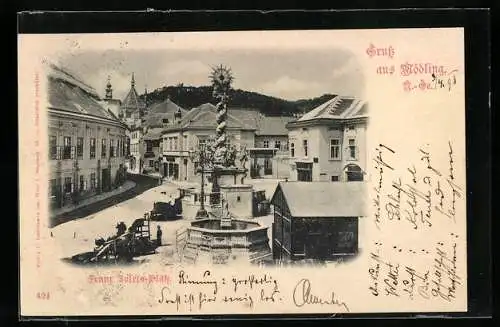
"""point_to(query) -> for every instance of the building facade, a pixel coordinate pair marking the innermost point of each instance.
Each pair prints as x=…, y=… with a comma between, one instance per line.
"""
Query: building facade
x=86, y=142
x=136, y=161
x=148, y=136
x=321, y=226
x=269, y=158
x=181, y=140
x=329, y=142
x=152, y=147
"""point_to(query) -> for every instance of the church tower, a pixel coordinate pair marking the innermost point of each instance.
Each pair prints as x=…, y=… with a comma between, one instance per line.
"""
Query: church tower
x=113, y=105
x=109, y=89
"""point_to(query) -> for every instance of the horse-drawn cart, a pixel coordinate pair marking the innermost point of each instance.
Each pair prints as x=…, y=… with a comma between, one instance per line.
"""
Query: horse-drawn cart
x=123, y=246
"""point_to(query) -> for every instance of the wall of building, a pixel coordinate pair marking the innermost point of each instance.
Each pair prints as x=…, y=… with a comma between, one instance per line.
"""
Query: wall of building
x=136, y=163
x=297, y=137
x=189, y=141
x=319, y=138
x=327, y=165
x=358, y=132
x=271, y=142
x=79, y=166
x=151, y=156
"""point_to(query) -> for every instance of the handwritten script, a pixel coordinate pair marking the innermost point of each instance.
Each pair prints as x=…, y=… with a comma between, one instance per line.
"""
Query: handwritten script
x=439, y=279
x=417, y=194
x=198, y=292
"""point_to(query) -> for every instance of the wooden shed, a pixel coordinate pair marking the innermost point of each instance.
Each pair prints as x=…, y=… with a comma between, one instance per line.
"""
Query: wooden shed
x=317, y=220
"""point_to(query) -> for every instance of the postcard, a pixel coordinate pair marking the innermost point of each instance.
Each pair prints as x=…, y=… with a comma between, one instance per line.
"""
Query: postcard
x=242, y=172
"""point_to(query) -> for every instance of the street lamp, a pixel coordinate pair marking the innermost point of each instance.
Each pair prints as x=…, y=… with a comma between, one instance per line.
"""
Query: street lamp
x=204, y=158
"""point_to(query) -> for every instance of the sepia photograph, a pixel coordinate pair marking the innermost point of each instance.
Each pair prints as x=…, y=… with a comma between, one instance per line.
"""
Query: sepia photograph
x=208, y=166
x=242, y=172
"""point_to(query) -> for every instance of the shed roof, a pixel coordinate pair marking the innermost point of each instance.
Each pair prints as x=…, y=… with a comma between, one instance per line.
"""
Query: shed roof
x=324, y=199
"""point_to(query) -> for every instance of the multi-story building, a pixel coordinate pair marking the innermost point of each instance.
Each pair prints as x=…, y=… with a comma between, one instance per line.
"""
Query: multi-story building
x=87, y=143
x=136, y=161
x=270, y=156
x=181, y=140
x=329, y=142
x=159, y=116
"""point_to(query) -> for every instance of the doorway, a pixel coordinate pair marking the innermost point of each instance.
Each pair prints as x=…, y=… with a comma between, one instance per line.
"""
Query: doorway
x=304, y=172
x=106, y=180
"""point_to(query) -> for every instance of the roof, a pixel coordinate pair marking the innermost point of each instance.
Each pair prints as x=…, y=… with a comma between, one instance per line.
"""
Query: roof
x=205, y=116
x=339, y=107
x=60, y=73
x=248, y=116
x=153, y=134
x=273, y=125
x=167, y=106
x=132, y=101
x=68, y=93
x=324, y=199
x=160, y=111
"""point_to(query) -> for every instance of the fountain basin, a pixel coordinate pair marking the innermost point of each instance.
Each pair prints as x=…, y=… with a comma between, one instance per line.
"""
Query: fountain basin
x=245, y=240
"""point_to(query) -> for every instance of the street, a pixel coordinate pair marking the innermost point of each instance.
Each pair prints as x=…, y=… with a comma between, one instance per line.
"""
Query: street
x=78, y=234
x=143, y=183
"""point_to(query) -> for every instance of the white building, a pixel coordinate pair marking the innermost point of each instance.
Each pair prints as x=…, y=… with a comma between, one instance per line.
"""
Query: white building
x=329, y=142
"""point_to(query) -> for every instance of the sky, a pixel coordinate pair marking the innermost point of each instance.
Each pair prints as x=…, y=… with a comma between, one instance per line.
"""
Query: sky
x=287, y=74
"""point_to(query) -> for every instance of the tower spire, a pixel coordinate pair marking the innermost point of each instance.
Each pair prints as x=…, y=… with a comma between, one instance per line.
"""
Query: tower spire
x=132, y=83
x=109, y=89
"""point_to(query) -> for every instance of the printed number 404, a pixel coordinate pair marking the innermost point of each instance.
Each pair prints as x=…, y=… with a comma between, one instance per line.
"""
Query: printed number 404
x=43, y=295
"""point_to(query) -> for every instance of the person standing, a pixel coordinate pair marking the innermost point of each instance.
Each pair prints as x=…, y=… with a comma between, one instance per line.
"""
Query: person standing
x=158, y=235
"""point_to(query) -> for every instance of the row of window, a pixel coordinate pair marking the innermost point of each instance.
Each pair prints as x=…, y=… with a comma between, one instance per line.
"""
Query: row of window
x=69, y=185
x=171, y=143
x=134, y=148
x=335, y=149
x=117, y=148
x=277, y=145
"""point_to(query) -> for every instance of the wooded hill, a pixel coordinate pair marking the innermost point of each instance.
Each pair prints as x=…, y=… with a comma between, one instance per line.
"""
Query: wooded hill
x=190, y=96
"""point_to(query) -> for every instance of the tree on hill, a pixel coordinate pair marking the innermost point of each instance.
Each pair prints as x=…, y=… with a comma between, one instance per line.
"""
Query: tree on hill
x=190, y=96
